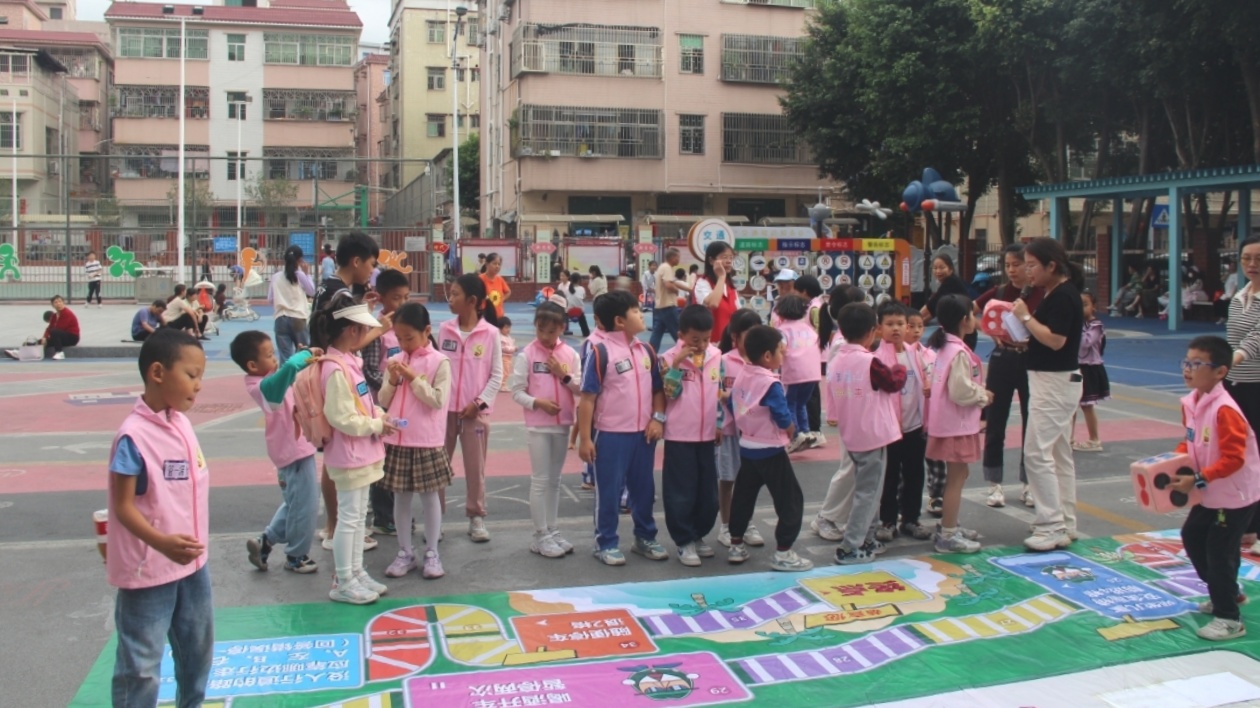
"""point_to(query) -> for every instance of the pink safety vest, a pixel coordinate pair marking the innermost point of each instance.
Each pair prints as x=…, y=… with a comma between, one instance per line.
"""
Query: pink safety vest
x=1241, y=488
x=732, y=364
x=542, y=384
x=867, y=418
x=624, y=404
x=345, y=452
x=887, y=353
x=389, y=347
x=176, y=499
x=947, y=419
x=692, y=417
x=285, y=444
x=426, y=426
x=471, y=362
x=803, y=360
x=754, y=421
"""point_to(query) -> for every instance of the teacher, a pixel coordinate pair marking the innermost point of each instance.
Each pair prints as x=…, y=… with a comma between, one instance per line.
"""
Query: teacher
x=1242, y=331
x=497, y=290
x=1054, y=388
x=714, y=289
x=289, y=291
x=948, y=283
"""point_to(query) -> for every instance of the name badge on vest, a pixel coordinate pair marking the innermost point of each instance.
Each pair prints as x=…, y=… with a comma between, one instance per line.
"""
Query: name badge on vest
x=688, y=375
x=392, y=351
x=623, y=366
x=362, y=388
x=540, y=367
x=1189, y=435
x=450, y=345
x=175, y=470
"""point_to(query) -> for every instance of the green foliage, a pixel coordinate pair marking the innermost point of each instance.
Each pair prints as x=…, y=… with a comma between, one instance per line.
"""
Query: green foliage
x=271, y=196
x=469, y=174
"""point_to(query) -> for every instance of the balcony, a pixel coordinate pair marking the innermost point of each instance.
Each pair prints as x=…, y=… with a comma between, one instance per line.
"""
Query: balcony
x=588, y=132
x=758, y=59
x=761, y=139
x=800, y=4
x=304, y=105
x=587, y=50
x=159, y=102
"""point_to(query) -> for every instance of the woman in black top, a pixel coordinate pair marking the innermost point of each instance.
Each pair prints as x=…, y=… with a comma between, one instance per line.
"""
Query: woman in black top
x=949, y=284
x=1054, y=387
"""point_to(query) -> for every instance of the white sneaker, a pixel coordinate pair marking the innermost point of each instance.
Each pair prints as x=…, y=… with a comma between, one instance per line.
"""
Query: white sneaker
x=817, y=440
x=753, y=537
x=13, y=353
x=59, y=356
x=798, y=443
x=1221, y=629
x=477, y=530
x=687, y=555
x=1047, y=541
x=788, y=562
x=724, y=536
x=996, y=498
x=369, y=543
x=370, y=583
x=546, y=546
x=352, y=592
x=825, y=529
x=704, y=550
x=1026, y=497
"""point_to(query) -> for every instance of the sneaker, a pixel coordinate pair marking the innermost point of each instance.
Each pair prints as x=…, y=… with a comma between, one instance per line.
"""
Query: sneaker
x=969, y=534
x=561, y=542
x=1255, y=549
x=816, y=440
x=703, y=549
x=649, y=549
x=610, y=556
x=326, y=544
x=914, y=530
x=59, y=356
x=737, y=553
x=753, y=537
x=301, y=565
x=876, y=547
x=825, y=529
x=259, y=549
x=687, y=555
x=724, y=536
x=352, y=592
x=996, y=498
x=1047, y=541
x=1026, y=497
x=477, y=530
x=1221, y=629
x=788, y=562
x=798, y=443
x=954, y=543
x=886, y=533
x=403, y=563
x=370, y=583
x=546, y=546
x=13, y=353
x=432, y=569
x=936, y=506
x=1206, y=606
x=587, y=487
x=385, y=529
x=369, y=543
x=855, y=556
x=1088, y=446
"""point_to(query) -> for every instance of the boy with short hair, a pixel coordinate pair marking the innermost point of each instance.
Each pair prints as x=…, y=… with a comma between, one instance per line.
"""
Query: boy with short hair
x=624, y=402
x=270, y=385
x=765, y=426
x=903, y=472
x=692, y=407
x=861, y=403
x=147, y=320
x=157, y=471
x=1223, y=452
x=392, y=291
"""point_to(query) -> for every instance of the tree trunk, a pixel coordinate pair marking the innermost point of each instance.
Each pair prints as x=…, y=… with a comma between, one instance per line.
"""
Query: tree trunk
x=1006, y=205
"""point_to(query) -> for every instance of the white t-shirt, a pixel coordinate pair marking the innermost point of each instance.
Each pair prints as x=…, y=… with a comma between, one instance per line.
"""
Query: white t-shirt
x=911, y=396
x=576, y=298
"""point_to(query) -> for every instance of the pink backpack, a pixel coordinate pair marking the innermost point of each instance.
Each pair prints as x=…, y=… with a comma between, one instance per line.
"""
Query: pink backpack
x=308, y=396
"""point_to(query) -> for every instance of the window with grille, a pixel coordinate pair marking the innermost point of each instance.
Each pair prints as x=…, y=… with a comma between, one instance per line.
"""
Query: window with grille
x=236, y=105
x=308, y=163
x=761, y=139
x=81, y=63
x=758, y=59
x=592, y=50
x=308, y=104
x=435, y=32
x=691, y=134
x=691, y=54
x=435, y=124
x=10, y=131
x=158, y=161
x=474, y=74
x=437, y=78
x=308, y=49
x=236, y=47
x=15, y=68
x=160, y=101
x=155, y=43
x=235, y=165
x=577, y=131
x=474, y=121
x=474, y=34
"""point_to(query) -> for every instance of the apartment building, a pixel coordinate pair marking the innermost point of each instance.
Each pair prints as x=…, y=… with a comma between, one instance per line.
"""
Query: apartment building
x=269, y=105
x=421, y=83
x=371, y=81
x=654, y=111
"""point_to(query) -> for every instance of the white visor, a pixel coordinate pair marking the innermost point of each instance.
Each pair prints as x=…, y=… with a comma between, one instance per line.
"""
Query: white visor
x=359, y=314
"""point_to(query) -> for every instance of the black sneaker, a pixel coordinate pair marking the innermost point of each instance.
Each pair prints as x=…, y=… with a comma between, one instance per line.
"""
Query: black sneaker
x=302, y=565
x=856, y=556
x=259, y=550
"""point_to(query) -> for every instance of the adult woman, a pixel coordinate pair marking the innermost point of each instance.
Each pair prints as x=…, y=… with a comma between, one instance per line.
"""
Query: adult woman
x=289, y=291
x=184, y=314
x=576, y=294
x=1008, y=374
x=599, y=284
x=1054, y=387
x=1148, y=303
x=948, y=284
x=714, y=289
x=1242, y=330
x=497, y=290
x=62, y=330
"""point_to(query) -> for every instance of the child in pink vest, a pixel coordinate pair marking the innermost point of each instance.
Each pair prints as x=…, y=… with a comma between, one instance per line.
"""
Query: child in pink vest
x=692, y=385
x=838, y=502
x=733, y=362
x=953, y=421
x=159, y=510
x=294, y=457
x=472, y=343
x=354, y=456
x=623, y=405
x=415, y=393
x=544, y=382
x=765, y=426
x=393, y=289
x=802, y=363
x=903, y=475
x=507, y=344
x=935, y=482
x=862, y=401
x=1222, y=449
x=808, y=287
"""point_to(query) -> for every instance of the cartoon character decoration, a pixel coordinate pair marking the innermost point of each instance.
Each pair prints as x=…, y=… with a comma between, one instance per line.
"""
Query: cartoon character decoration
x=393, y=260
x=251, y=261
x=122, y=262
x=932, y=193
x=661, y=682
x=10, y=266
x=1069, y=574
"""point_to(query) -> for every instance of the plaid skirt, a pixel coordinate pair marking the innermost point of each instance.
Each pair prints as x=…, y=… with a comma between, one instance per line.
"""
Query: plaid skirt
x=416, y=469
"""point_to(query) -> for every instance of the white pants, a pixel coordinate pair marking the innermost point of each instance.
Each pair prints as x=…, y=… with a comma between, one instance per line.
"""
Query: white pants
x=547, y=451
x=839, y=500
x=1052, y=399
x=352, y=506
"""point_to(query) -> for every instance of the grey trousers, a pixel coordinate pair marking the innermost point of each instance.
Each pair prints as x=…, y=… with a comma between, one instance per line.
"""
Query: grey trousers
x=868, y=487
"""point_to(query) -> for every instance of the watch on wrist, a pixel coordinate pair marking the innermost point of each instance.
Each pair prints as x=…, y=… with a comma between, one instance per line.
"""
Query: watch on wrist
x=1025, y=318
x=568, y=378
x=482, y=405
x=658, y=417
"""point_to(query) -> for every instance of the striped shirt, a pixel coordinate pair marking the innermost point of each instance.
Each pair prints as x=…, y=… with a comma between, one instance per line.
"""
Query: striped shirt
x=1243, y=332
x=93, y=270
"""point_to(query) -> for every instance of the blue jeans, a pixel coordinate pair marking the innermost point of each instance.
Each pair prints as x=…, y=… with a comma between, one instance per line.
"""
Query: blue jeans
x=798, y=403
x=689, y=490
x=664, y=321
x=181, y=611
x=290, y=332
x=623, y=460
x=294, y=522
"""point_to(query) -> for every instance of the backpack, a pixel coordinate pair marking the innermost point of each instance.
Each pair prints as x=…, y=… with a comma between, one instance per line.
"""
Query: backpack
x=308, y=396
x=600, y=352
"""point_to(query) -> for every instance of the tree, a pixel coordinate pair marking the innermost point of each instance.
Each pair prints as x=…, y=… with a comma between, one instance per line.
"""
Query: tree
x=272, y=197
x=469, y=174
x=198, y=200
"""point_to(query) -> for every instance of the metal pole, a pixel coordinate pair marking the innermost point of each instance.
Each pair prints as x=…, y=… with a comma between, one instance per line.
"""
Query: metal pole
x=455, y=129
x=240, y=175
x=13, y=136
x=65, y=174
x=179, y=209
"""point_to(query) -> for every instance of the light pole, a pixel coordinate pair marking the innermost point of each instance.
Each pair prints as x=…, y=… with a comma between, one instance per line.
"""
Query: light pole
x=460, y=11
x=239, y=169
x=14, y=129
x=181, y=238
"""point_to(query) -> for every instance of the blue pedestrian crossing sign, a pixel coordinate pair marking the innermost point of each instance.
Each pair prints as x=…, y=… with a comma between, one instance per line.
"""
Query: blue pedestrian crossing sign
x=1159, y=216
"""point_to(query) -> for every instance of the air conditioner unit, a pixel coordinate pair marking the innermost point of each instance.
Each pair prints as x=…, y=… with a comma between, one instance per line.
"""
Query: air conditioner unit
x=54, y=168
